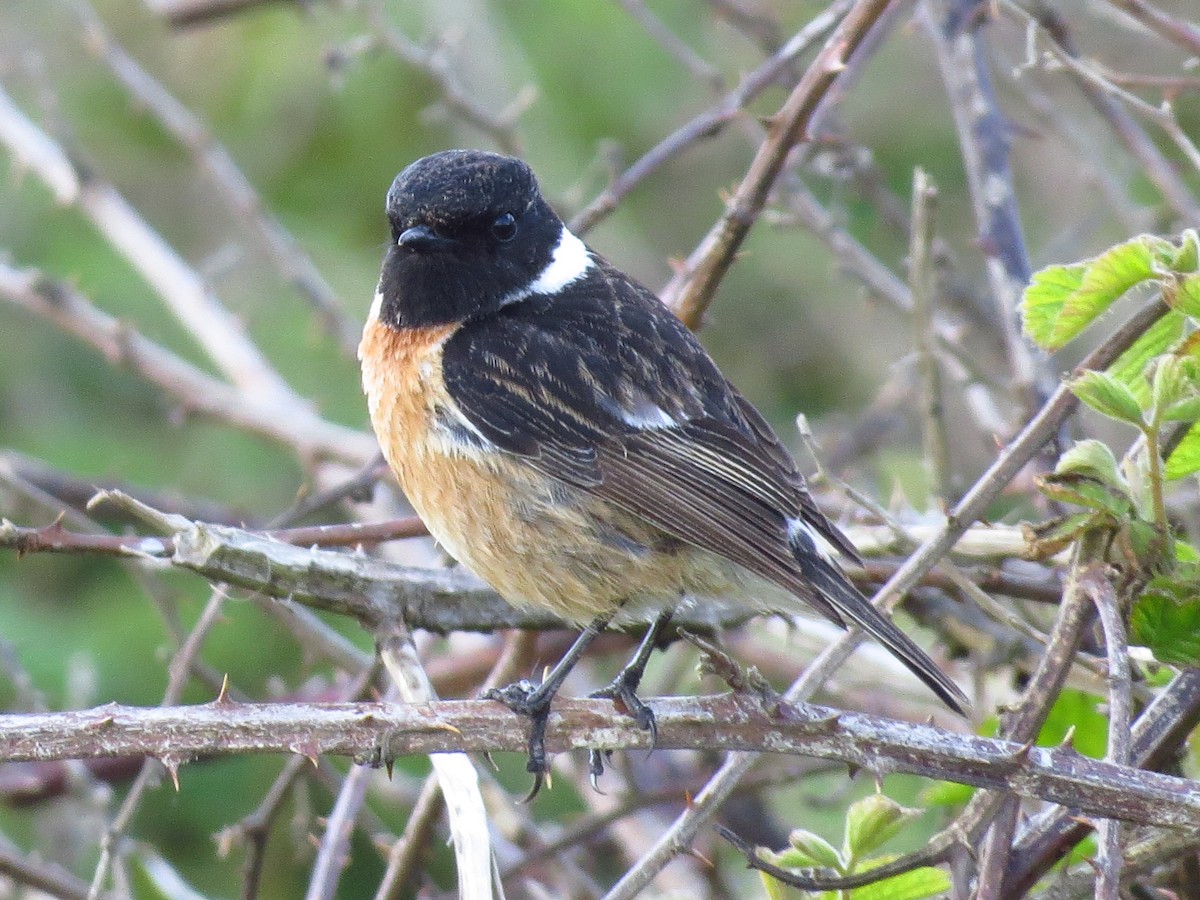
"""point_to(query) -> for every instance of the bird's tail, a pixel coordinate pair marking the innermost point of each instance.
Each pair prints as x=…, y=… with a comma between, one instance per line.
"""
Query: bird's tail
x=835, y=588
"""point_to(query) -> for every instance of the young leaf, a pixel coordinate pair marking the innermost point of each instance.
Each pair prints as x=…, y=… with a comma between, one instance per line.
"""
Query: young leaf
x=1083, y=490
x=1043, y=301
x=1166, y=618
x=777, y=890
x=1061, y=301
x=1187, y=410
x=1159, y=338
x=1108, y=396
x=1174, y=381
x=1094, y=459
x=1185, y=296
x=1185, y=458
x=809, y=851
x=873, y=821
x=1187, y=258
x=915, y=885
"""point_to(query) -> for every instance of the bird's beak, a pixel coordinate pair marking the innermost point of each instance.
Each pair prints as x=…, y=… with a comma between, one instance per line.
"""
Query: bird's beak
x=421, y=237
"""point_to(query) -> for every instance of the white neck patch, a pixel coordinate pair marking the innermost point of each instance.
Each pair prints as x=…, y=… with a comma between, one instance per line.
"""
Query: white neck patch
x=569, y=261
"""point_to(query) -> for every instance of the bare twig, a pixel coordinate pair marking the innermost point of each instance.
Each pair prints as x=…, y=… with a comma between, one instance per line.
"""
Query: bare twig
x=693, y=288
x=1097, y=86
x=700, y=69
x=181, y=288
x=193, y=12
x=1178, y=31
x=334, y=851
x=280, y=247
x=55, y=881
x=1155, y=739
x=1109, y=860
x=455, y=771
x=178, y=671
x=411, y=846
x=436, y=65
x=711, y=122
x=294, y=425
x=983, y=140
x=923, y=283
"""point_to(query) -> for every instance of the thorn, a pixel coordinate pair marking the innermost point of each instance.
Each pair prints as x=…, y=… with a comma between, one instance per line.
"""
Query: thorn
x=491, y=760
x=445, y=726
x=171, y=764
x=700, y=856
x=1022, y=753
x=308, y=751
x=388, y=765
x=852, y=770
x=223, y=696
x=1068, y=741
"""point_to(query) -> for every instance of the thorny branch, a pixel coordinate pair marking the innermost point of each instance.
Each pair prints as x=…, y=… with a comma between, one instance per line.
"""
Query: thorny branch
x=380, y=732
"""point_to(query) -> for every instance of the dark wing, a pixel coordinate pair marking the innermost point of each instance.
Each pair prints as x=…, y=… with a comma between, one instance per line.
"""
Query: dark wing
x=602, y=387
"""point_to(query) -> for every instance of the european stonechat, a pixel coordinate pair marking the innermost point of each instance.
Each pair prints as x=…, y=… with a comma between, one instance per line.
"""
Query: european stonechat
x=566, y=437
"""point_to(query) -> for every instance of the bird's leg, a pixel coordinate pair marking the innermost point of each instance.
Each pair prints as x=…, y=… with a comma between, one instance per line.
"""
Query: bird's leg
x=533, y=699
x=624, y=688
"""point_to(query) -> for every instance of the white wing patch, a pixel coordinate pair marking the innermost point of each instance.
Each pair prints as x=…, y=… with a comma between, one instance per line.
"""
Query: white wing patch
x=804, y=535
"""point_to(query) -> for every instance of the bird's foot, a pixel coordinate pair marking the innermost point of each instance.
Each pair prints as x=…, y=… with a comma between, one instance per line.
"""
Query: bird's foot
x=623, y=690
x=532, y=700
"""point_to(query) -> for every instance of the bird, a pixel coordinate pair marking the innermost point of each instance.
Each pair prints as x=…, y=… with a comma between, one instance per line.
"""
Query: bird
x=568, y=439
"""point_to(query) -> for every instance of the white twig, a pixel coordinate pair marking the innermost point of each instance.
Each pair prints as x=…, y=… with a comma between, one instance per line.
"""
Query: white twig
x=456, y=774
x=185, y=293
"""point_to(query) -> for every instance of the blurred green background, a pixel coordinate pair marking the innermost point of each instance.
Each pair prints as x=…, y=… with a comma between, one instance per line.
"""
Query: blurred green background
x=320, y=129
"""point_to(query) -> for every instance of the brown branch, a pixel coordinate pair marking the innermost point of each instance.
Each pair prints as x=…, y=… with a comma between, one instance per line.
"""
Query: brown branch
x=692, y=289
x=1178, y=31
x=378, y=732
x=711, y=122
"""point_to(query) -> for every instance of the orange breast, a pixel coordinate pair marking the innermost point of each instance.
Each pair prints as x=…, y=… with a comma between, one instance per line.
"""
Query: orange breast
x=537, y=541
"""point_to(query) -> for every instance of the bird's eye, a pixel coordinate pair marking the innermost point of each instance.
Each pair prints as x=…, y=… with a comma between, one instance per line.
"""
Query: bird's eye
x=505, y=227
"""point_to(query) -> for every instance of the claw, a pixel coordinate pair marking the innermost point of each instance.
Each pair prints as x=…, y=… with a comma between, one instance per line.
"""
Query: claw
x=532, y=700
x=539, y=779
x=596, y=768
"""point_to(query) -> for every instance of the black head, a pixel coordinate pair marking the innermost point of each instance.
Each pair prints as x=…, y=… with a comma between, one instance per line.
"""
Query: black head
x=470, y=232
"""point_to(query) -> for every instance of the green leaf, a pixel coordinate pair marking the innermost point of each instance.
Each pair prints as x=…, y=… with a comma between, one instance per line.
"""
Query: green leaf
x=809, y=851
x=1185, y=458
x=1187, y=259
x=1166, y=618
x=1061, y=301
x=1043, y=301
x=1186, y=295
x=915, y=885
x=1083, y=490
x=1175, y=380
x=1094, y=459
x=1183, y=410
x=1105, y=394
x=777, y=890
x=873, y=821
x=1159, y=338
